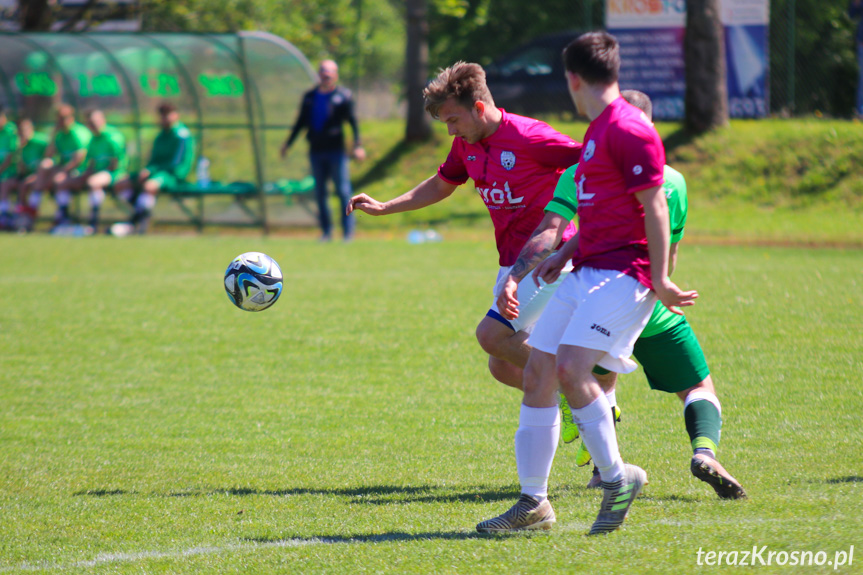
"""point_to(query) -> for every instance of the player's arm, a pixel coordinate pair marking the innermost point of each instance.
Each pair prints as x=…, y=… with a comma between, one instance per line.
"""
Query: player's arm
x=431, y=191
x=659, y=248
x=539, y=246
x=550, y=268
x=76, y=160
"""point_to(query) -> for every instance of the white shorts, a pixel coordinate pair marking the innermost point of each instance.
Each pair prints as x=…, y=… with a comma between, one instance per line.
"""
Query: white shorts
x=596, y=309
x=531, y=299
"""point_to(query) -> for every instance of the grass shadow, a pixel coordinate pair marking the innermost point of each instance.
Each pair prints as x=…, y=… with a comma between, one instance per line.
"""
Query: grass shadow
x=679, y=138
x=103, y=492
x=387, y=494
x=370, y=538
x=846, y=479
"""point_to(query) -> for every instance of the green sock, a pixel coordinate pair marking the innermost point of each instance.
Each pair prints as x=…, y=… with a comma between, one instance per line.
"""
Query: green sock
x=704, y=425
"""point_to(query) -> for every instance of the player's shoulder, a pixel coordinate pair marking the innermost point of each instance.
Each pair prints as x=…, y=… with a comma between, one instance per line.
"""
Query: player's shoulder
x=182, y=131
x=531, y=131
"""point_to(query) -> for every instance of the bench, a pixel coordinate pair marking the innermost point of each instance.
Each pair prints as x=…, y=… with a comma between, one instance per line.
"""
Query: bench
x=189, y=197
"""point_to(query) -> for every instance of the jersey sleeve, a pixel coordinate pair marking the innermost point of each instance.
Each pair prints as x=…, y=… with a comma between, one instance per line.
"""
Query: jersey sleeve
x=565, y=200
x=640, y=154
x=674, y=189
x=453, y=171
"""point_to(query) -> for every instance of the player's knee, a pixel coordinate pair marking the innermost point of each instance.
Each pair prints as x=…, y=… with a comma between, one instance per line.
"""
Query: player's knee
x=705, y=384
x=151, y=187
x=505, y=372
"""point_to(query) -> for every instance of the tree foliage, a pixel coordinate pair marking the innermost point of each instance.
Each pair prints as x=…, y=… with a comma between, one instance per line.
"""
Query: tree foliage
x=366, y=37
x=481, y=30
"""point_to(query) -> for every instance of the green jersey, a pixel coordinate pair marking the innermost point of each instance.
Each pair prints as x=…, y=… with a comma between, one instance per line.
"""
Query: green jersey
x=33, y=152
x=173, y=151
x=565, y=203
x=8, y=147
x=69, y=143
x=105, y=147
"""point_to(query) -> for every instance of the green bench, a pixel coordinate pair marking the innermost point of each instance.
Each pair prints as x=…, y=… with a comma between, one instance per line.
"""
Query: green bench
x=189, y=197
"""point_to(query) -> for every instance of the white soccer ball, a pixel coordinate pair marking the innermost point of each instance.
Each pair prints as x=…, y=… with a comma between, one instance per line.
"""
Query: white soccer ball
x=253, y=281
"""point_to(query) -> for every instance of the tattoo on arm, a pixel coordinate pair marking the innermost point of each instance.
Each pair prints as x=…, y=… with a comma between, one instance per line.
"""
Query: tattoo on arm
x=537, y=248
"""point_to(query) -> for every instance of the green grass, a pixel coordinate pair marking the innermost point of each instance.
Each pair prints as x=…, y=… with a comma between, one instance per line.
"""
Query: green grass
x=148, y=426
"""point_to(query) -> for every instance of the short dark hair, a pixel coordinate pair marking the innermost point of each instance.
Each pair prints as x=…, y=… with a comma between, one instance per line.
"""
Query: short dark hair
x=463, y=81
x=595, y=56
x=166, y=108
x=640, y=100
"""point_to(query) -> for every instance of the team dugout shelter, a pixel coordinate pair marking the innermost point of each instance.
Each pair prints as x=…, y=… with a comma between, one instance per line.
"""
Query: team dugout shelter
x=238, y=94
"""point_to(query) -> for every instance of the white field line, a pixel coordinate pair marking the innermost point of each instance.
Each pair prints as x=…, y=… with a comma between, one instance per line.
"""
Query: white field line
x=108, y=558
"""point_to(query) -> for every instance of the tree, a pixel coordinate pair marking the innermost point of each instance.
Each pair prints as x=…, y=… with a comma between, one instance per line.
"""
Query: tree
x=416, y=70
x=706, y=99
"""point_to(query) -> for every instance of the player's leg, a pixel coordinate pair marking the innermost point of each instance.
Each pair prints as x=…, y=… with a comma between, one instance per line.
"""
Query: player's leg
x=63, y=183
x=41, y=185
x=611, y=311
x=674, y=362
x=29, y=204
x=322, y=171
x=342, y=183
x=7, y=190
x=607, y=380
x=535, y=445
x=539, y=423
x=505, y=340
x=146, y=200
x=96, y=184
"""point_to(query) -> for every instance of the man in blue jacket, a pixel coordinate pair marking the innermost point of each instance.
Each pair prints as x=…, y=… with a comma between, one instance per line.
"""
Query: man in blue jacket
x=324, y=110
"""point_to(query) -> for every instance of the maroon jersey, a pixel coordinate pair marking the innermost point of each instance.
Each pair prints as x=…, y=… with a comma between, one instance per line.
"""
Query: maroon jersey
x=622, y=155
x=515, y=171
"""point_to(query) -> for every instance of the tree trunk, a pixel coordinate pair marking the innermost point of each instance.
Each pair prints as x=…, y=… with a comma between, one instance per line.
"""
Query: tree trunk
x=416, y=71
x=35, y=15
x=704, y=57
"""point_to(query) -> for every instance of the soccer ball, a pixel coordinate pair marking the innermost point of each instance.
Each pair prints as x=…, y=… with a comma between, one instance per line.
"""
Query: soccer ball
x=253, y=281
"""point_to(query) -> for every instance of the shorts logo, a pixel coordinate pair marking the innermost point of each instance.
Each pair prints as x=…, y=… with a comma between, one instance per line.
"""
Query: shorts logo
x=507, y=160
x=589, y=150
x=471, y=158
x=601, y=330
x=637, y=170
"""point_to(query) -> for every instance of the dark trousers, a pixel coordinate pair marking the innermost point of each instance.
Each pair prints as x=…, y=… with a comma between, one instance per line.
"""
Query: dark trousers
x=332, y=166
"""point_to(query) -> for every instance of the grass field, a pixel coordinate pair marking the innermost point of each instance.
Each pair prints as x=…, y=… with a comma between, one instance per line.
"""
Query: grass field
x=148, y=426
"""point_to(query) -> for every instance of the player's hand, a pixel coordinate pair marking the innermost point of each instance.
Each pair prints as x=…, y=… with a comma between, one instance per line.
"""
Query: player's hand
x=507, y=302
x=366, y=204
x=283, y=151
x=673, y=297
x=359, y=154
x=549, y=269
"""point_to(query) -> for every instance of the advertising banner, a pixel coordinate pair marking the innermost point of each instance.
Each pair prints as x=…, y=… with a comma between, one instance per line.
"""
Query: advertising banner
x=651, y=35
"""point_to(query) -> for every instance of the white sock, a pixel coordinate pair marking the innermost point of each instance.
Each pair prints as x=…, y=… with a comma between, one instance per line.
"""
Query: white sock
x=34, y=199
x=63, y=198
x=146, y=202
x=97, y=197
x=535, y=446
x=611, y=397
x=596, y=427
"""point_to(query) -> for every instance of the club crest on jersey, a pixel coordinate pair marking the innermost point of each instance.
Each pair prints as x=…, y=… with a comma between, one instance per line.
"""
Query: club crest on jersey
x=507, y=160
x=471, y=158
x=589, y=150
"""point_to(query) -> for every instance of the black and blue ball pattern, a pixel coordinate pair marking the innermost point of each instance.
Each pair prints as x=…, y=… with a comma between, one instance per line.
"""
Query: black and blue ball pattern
x=253, y=281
